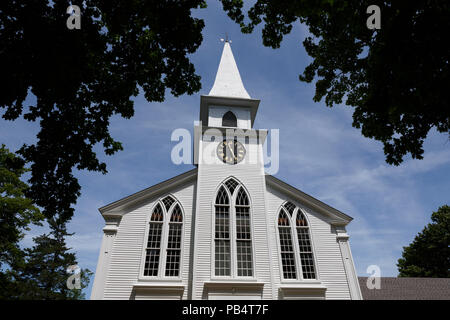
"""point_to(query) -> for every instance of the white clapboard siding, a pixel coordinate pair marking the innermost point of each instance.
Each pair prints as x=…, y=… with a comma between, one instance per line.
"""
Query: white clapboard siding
x=209, y=179
x=330, y=266
x=126, y=258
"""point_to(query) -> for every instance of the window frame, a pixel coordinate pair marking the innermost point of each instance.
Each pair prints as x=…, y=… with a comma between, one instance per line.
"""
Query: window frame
x=180, y=249
x=294, y=236
x=164, y=241
x=233, y=234
x=161, y=235
x=235, y=118
x=299, y=252
x=236, y=191
x=280, y=259
x=230, y=228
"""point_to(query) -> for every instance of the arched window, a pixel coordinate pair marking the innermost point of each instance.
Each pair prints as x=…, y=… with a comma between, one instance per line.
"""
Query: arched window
x=292, y=224
x=174, y=243
x=229, y=120
x=164, y=239
x=304, y=245
x=233, y=254
x=243, y=235
x=286, y=246
x=222, y=234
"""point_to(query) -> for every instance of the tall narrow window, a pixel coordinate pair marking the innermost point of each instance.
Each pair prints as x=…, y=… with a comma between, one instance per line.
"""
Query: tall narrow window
x=233, y=248
x=229, y=120
x=174, y=243
x=222, y=234
x=304, y=244
x=154, y=242
x=286, y=246
x=164, y=240
x=293, y=229
x=243, y=235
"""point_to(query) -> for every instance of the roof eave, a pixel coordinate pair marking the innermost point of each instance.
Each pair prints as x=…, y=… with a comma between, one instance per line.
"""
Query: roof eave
x=338, y=218
x=117, y=208
x=207, y=100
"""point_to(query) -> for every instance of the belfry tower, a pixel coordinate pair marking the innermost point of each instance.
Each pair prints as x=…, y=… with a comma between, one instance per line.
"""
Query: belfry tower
x=231, y=171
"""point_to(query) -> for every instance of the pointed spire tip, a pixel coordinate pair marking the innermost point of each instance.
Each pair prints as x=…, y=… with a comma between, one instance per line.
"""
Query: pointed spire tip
x=228, y=82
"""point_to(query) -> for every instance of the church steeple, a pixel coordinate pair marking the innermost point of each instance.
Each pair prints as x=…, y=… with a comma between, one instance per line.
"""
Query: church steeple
x=228, y=96
x=228, y=81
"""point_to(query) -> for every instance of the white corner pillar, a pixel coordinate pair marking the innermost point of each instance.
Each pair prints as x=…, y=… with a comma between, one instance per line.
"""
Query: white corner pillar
x=352, y=278
x=109, y=234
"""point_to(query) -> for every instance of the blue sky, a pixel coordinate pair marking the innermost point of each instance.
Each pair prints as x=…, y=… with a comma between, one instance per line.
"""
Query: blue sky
x=320, y=152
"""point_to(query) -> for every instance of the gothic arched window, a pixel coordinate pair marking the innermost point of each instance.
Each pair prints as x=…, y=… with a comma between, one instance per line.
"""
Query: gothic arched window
x=229, y=120
x=286, y=246
x=243, y=235
x=163, y=251
x=233, y=254
x=174, y=242
x=222, y=234
x=304, y=246
x=293, y=228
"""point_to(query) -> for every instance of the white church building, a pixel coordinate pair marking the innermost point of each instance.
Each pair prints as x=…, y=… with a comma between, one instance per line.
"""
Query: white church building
x=225, y=230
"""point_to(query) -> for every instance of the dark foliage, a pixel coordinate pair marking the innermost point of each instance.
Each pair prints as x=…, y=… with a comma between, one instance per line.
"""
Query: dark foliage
x=82, y=77
x=396, y=77
x=429, y=254
x=39, y=272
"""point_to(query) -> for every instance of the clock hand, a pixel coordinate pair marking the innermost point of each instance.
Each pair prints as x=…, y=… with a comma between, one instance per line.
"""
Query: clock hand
x=232, y=152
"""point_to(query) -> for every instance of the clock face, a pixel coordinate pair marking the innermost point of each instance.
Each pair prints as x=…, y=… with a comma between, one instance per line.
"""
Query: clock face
x=231, y=151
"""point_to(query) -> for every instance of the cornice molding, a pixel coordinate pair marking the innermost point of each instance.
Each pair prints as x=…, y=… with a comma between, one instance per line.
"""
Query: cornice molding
x=117, y=208
x=339, y=219
x=159, y=288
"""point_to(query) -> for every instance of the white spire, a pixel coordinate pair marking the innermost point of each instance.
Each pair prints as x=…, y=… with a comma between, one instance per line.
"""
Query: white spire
x=228, y=81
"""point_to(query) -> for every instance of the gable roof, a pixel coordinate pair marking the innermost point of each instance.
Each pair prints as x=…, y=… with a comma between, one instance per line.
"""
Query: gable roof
x=338, y=217
x=118, y=208
x=407, y=289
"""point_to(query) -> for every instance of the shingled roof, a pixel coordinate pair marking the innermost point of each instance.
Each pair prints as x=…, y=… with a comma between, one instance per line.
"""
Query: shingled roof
x=407, y=289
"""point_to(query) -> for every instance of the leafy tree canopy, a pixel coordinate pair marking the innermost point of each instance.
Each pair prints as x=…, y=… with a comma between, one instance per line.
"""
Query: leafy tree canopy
x=39, y=272
x=396, y=77
x=16, y=214
x=16, y=211
x=43, y=272
x=429, y=254
x=82, y=77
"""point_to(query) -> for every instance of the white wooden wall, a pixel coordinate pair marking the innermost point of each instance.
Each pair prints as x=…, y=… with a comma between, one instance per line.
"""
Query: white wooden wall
x=209, y=179
x=129, y=244
x=126, y=257
x=330, y=266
